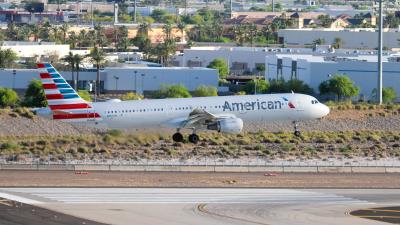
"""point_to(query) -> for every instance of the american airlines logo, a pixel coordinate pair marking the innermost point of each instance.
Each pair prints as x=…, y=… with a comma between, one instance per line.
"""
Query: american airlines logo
x=257, y=105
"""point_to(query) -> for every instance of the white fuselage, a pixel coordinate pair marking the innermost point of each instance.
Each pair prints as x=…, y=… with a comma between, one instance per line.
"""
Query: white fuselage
x=250, y=108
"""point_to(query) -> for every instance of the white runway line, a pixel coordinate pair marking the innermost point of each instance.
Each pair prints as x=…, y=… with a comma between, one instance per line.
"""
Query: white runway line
x=18, y=198
x=180, y=195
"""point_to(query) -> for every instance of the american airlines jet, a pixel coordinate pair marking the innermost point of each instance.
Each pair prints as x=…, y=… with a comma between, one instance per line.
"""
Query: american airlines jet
x=223, y=114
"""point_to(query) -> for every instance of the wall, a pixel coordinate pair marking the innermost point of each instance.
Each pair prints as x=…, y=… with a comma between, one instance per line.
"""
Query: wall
x=153, y=77
x=312, y=70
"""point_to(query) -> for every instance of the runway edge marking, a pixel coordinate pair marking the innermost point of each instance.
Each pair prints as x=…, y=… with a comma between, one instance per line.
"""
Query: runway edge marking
x=19, y=199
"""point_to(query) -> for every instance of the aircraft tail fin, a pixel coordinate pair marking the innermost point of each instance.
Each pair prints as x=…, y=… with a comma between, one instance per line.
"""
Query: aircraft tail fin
x=63, y=100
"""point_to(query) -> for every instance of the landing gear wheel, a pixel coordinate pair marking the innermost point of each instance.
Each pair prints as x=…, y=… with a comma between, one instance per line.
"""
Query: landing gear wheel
x=194, y=138
x=297, y=132
x=177, y=137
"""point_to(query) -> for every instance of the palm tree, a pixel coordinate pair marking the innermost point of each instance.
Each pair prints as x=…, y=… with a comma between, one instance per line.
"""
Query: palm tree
x=77, y=59
x=181, y=26
x=35, y=31
x=72, y=39
x=70, y=60
x=144, y=29
x=82, y=38
x=64, y=29
x=167, y=29
x=97, y=56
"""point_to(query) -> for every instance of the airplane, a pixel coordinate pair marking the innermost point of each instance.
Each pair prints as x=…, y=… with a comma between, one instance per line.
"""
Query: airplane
x=225, y=114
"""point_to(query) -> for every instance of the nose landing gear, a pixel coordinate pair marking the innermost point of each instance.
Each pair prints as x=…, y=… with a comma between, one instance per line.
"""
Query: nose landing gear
x=297, y=132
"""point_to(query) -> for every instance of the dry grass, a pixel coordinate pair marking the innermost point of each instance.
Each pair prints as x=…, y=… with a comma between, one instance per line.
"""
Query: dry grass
x=156, y=146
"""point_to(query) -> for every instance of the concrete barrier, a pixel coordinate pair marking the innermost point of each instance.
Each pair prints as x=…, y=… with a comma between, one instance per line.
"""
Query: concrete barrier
x=127, y=168
x=55, y=167
x=298, y=169
x=93, y=167
x=368, y=169
x=197, y=168
x=238, y=169
x=163, y=168
x=19, y=167
x=334, y=169
x=392, y=170
x=203, y=168
x=274, y=169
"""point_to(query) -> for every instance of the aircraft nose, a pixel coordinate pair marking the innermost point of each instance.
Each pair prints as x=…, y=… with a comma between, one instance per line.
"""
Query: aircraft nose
x=325, y=110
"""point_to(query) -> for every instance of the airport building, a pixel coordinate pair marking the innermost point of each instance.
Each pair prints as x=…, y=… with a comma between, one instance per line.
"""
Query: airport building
x=27, y=49
x=121, y=80
x=315, y=69
x=360, y=38
x=248, y=60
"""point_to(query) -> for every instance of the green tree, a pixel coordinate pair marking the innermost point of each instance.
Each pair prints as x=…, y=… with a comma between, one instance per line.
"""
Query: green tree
x=220, y=65
x=34, y=95
x=172, y=91
x=277, y=86
x=97, y=56
x=389, y=95
x=340, y=85
x=257, y=86
x=142, y=42
x=8, y=97
x=337, y=43
x=7, y=58
x=298, y=86
x=204, y=91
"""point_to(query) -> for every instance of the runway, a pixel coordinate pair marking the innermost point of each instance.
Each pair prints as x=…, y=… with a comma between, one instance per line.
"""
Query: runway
x=173, y=206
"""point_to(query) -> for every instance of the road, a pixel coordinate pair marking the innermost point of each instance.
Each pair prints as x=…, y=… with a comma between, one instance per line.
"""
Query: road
x=173, y=206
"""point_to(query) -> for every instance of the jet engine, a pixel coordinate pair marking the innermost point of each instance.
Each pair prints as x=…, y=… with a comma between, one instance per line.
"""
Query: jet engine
x=228, y=125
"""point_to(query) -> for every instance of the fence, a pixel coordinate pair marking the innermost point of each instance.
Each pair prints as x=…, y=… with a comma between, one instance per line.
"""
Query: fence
x=203, y=168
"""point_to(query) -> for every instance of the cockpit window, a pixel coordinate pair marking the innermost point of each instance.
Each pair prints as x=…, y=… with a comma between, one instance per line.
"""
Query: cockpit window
x=314, y=102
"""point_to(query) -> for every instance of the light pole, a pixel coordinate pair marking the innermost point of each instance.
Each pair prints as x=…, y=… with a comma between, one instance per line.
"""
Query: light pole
x=380, y=36
x=135, y=81
x=142, y=89
x=116, y=82
x=255, y=86
x=14, y=72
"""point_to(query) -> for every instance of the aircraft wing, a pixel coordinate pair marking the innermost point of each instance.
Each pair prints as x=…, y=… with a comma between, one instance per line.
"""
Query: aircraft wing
x=196, y=119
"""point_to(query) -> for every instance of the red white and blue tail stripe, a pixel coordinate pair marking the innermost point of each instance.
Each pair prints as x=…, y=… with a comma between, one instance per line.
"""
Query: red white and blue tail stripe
x=62, y=99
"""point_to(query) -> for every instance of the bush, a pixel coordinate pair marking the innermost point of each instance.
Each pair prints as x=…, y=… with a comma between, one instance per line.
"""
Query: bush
x=8, y=97
x=34, y=95
x=220, y=65
x=388, y=94
x=340, y=85
x=259, y=86
x=85, y=95
x=131, y=96
x=172, y=91
x=204, y=91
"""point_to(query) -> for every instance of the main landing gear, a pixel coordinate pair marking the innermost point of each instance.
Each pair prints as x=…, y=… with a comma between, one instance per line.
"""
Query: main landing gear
x=178, y=137
x=297, y=132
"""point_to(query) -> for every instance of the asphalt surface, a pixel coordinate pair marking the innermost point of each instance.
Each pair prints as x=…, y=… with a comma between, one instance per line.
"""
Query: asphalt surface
x=17, y=213
x=173, y=206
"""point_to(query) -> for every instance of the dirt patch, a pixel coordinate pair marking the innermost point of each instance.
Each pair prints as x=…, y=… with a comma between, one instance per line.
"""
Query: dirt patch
x=198, y=179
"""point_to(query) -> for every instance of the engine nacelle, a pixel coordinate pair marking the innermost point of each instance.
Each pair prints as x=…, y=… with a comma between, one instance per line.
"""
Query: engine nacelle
x=228, y=125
